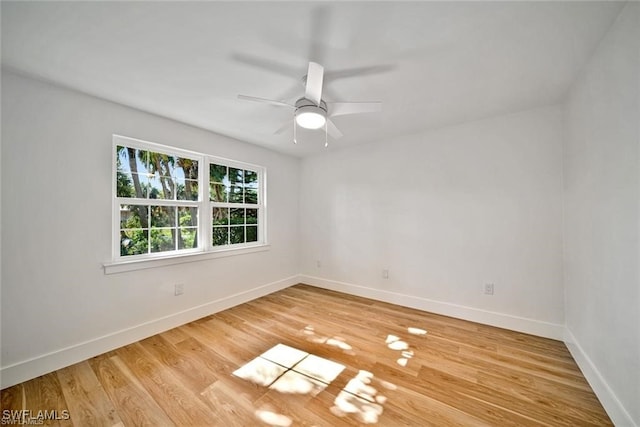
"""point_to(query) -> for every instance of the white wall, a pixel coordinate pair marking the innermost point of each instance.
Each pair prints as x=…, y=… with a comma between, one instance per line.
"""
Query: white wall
x=58, y=306
x=445, y=211
x=602, y=196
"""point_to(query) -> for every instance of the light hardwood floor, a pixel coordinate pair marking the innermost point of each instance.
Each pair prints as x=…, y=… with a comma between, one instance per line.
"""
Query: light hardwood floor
x=386, y=371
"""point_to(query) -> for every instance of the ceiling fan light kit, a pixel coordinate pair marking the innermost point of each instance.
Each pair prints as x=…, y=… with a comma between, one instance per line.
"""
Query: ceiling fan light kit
x=309, y=115
x=312, y=112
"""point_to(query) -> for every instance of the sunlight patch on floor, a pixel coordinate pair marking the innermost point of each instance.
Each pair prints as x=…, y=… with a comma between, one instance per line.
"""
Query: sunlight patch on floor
x=292, y=382
x=260, y=371
x=284, y=355
x=291, y=371
x=273, y=418
x=319, y=368
x=360, y=398
x=394, y=342
x=335, y=341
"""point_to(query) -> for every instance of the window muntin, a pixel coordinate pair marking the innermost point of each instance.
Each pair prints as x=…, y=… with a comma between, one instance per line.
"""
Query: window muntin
x=160, y=206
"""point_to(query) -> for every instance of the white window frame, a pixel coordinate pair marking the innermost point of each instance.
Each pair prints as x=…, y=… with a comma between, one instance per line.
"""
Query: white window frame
x=260, y=206
x=205, y=247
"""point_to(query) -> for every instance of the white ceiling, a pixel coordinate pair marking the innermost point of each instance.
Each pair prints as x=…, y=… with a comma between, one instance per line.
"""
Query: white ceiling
x=439, y=63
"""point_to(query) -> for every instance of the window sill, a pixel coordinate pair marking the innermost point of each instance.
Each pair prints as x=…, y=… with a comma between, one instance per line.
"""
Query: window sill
x=140, y=264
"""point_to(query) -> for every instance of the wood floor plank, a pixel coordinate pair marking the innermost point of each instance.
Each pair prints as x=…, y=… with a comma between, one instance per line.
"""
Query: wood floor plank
x=45, y=394
x=175, y=335
x=563, y=405
x=86, y=397
x=193, y=374
x=547, y=371
x=430, y=412
x=11, y=398
x=208, y=359
x=134, y=404
x=346, y=361
x=231, y=406
x=165, y=387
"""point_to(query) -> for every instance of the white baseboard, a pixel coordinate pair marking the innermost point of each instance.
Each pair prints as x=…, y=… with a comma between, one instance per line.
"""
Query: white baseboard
x=514, y=323
x=616, y=411
x=40, y=365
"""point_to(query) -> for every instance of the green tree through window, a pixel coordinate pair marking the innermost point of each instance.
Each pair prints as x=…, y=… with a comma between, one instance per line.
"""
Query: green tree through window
x=160, y=207
x=233, y=193
x=150, y=222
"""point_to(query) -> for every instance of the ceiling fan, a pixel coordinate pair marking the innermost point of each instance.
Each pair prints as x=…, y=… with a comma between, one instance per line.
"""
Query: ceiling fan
x=312, y=112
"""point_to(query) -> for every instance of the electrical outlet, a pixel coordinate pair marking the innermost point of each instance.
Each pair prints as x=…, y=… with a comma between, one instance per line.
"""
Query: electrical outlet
x=318, y=264
x=488, y=288
x=385, y=274
x=179, y=289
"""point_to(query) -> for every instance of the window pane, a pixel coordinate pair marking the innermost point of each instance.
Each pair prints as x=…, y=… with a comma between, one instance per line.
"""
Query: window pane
x=186, y=168
x=134, y=242
x=236, y=235
x=218, y=193
x=162, y=240
x=187, y=216
x=140, y=185
x=220, y=236
x=188, y=238
x=136, y=160
x=237, y=216
x=187, y=189
x=218, y=173
x=220, y=216
x=161, y=187
x=251, y=196
x=124, y=185
x=161, y=164
x=155, y=187
x=236, y=176
x=134, y=216
x=122, y=159
x=252, y=216
x=252, y=234
x=185, y=176
x=235, y=194
x=250, y=179
x=163, y=216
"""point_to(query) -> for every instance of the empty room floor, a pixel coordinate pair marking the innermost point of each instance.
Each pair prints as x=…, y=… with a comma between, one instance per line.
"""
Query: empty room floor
x=309, y=356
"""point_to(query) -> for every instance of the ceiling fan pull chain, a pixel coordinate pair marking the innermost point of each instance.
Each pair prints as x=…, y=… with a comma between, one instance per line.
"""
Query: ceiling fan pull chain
x=295, y=138
x=326, y=138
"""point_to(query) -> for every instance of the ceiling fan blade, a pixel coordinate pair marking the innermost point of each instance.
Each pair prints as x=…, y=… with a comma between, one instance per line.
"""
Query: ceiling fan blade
x=343, y=108
x=358, y=71
x=266, y=101
x=315, y=75
x=333, y=130
x=319, y=26
x=267, y=64
x=286, y=125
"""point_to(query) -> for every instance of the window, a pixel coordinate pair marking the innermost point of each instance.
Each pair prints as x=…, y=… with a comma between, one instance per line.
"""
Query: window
x=233, y=193
x=161, y=206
